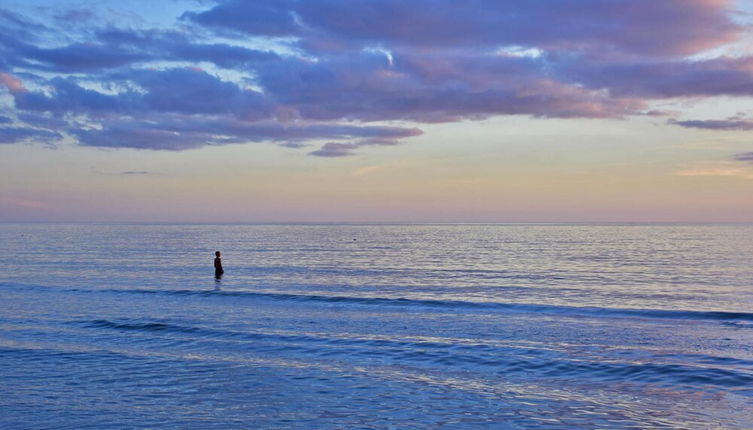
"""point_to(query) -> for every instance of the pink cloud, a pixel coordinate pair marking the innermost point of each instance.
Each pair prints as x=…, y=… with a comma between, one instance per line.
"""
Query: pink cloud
x=12, y=83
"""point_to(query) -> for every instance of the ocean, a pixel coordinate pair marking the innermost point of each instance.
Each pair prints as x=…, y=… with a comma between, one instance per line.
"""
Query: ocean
x=499, y=326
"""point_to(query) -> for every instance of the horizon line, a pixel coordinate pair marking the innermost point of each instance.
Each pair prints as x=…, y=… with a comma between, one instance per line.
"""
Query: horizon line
x=592, y=222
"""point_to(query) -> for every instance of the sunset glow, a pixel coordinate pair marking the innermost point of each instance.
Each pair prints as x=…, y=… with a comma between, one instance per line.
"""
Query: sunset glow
x=376, y=111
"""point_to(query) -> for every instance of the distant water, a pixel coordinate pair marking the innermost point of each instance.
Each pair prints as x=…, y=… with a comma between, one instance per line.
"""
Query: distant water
x=376, y=326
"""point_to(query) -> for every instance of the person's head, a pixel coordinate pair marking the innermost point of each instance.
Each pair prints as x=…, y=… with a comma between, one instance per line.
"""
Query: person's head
x=217, y=253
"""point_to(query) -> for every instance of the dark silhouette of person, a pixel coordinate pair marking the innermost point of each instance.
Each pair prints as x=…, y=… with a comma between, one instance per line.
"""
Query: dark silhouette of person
x=218, y=270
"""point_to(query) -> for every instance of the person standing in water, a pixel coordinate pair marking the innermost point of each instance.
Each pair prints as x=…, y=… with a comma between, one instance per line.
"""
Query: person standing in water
x=218, y=270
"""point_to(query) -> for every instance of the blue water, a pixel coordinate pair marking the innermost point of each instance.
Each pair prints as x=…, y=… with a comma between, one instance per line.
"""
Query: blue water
x=376, y=326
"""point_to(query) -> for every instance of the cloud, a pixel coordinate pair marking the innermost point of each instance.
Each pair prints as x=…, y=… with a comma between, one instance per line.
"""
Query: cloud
x=335, y=149
x=67, y=96
x=665, y=78
x=12, y=83
x=298, y=73
x=647, y=27
x=432, y=88
x=25, y=134
x=81, y=57
x=257, y=17
x=723, y=170
x=745, y=156
x=142, y=139
x=113, y=48
x=176, y=46
x=191, y=91
x=44, y=120
x=15, y=27
x=711, y=124
x=65, y=17
x=181, y=90
x=176, y=133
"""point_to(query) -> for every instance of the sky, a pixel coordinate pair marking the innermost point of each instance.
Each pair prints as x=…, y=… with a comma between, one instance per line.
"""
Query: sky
x=376, y=111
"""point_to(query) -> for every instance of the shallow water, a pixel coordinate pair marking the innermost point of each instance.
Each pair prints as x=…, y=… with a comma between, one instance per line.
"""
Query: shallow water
x=373, y=326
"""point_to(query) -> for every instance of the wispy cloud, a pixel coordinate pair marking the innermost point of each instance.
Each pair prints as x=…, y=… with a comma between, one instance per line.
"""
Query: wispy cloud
x=721, y=169
x=745, y=156
x=367, y=170
x=137, y=172
x=377, y=168
x=728, y=124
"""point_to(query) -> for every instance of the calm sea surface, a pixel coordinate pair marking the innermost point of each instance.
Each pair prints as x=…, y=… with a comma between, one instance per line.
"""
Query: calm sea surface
x=376, y=327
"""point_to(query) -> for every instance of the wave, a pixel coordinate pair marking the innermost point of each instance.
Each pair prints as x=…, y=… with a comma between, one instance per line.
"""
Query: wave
x=507, y=359
x=729, y=318
x=726, y=316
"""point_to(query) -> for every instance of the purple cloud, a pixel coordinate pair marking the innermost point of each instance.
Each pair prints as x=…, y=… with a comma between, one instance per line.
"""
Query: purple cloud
x=348, y=64
x=339, y=149
x=646, y=27
x=431, y=88
x=176, y=46
x=745, y=156
x=728, y=124
x=257, y=17
x=176, y=133
x=68, y=96
x=195, y=91
x=81, y=57
x=189, y=91
x=115, y=49
x=660, y=79
x=145, y=138
x=335, y=149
